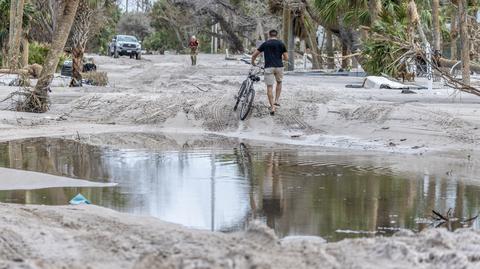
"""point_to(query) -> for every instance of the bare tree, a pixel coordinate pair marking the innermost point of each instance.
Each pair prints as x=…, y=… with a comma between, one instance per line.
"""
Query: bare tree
x=45, y=19
x=137, y=24
x=87, y=20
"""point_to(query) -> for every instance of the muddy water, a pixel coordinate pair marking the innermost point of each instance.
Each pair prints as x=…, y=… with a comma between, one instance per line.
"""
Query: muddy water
x=296, y=193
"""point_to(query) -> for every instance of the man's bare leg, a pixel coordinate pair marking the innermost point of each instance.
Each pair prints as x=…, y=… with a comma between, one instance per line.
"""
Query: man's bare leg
x=278, y=91
x=270, y=97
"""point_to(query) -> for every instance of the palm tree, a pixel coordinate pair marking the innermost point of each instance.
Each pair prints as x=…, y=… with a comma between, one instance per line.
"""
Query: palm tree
x=374, y=9
x=465, y=40
x=453, y=34
x=38, y=101
x=436, y=25
x=87, y=20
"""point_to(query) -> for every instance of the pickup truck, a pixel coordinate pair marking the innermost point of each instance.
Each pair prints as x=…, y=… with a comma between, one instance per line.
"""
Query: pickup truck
x=125, y=45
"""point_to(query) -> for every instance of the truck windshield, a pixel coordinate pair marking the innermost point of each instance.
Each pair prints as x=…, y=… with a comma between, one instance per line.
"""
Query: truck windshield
x=127, y=38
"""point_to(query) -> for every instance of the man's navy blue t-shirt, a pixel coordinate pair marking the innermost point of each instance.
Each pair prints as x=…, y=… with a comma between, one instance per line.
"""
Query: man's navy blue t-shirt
x=273, y=49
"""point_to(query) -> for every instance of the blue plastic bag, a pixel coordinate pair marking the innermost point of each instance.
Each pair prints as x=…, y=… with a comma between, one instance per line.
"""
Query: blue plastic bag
x=79, y=200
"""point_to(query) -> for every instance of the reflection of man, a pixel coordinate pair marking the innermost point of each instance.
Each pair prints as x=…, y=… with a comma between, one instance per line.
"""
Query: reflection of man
x=193, y=45
x=272, y=189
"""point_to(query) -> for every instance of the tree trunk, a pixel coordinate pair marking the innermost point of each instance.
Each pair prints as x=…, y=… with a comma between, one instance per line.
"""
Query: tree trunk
x=374, y=7
x=465, y=41
x=454, y=36
x=77, y=66
x=3, y=56
x=437, y=46
x=59, y=39
x=345, y=60
x=15, y=33
x=329, y=48
x=25, y=52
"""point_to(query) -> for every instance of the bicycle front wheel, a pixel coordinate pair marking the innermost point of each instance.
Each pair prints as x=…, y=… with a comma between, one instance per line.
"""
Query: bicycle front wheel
x=247, y=104
x=241, y=92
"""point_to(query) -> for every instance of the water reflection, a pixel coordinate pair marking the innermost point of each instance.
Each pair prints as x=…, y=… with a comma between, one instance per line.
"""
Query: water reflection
x=296, y=193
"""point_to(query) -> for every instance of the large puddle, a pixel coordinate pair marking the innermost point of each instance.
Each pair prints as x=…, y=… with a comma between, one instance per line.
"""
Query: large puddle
x=295, y=192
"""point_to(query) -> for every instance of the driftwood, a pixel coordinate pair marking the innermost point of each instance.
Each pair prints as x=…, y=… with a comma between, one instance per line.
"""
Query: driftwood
x=440, y=220
x=16, y=72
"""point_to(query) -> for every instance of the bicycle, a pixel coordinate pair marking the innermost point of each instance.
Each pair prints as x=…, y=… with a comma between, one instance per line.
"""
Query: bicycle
x=246, y=94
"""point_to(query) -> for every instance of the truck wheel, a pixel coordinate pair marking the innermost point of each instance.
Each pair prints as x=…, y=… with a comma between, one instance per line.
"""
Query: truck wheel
x=115, y=54
x=138, y=56
x=131, y=56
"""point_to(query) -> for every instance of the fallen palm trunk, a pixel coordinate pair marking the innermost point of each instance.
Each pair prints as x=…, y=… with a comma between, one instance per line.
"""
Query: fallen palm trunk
x=450, y=63
x=16, y=72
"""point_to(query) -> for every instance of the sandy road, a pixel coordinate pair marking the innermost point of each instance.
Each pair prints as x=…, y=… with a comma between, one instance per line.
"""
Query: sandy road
x=165, y=92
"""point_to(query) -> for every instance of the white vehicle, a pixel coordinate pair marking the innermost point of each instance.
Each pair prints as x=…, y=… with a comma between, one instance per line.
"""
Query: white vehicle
x=125, y=45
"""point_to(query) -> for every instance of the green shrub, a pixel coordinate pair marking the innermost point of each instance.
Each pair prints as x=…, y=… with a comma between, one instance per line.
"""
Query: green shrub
x=38, y=53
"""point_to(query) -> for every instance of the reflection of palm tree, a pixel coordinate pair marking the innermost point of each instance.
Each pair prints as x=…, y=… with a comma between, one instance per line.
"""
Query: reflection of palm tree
x=245, y=165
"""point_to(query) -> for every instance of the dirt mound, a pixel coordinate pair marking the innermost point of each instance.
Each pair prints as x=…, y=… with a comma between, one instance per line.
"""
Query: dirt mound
x=90, y=236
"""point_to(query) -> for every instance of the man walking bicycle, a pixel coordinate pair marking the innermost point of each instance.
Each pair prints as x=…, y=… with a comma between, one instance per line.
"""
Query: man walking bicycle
x=275, y=53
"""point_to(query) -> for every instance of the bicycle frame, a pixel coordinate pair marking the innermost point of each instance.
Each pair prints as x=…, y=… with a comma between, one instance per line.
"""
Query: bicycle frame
x=247, y=92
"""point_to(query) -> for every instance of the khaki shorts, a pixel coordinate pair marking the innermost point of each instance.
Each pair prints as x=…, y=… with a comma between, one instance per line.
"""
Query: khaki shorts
x=273, y=74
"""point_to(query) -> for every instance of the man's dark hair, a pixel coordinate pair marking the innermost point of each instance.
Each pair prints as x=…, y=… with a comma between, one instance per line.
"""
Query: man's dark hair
x=273, y=33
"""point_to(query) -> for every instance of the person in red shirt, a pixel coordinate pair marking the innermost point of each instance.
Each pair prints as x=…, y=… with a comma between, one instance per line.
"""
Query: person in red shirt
x=193, y=45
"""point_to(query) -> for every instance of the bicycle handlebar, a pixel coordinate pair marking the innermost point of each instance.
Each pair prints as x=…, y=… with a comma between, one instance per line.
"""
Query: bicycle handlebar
x=249, y=63
x=245, y=61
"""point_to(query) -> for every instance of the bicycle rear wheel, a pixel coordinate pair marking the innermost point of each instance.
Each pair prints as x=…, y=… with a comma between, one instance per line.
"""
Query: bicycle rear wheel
x=247, y=104
x=241, y=92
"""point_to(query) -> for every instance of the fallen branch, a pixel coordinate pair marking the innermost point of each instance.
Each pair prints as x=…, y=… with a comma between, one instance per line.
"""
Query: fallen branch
x=25, y=100
x=200, y=88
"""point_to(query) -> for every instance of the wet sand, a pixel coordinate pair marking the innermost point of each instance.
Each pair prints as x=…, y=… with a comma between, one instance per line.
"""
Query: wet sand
x=12, y=179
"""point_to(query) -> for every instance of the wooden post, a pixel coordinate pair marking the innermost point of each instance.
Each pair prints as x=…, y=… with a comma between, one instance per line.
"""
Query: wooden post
x=285, y=25
x=465, y=41
x=215, y=43
x=291, y=43
x=454, y=36
x=329, y=48
x=436, y=26
x=212, y=41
